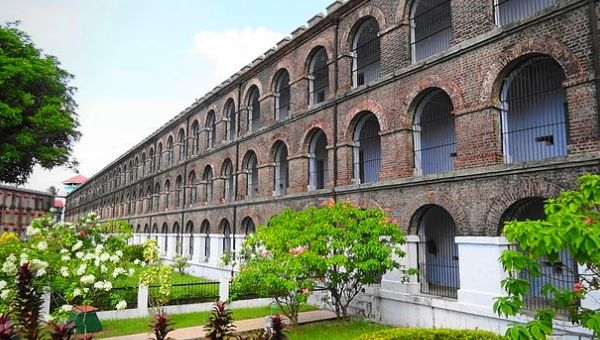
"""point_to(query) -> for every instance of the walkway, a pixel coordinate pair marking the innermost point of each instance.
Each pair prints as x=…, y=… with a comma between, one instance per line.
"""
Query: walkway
x=241, y=326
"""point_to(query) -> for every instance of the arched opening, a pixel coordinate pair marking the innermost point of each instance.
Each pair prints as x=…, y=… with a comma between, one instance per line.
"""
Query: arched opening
x=280, y=175
x=248, y=226
x=251, y=170
x=159, y=156
x=231, y=115
x=507, y=11
x=366, y=52
x=189, y=232
x=143, y=169
x=156, y=197
x=155, y=232
x=431, y=28
x=318, y=76
x=170, y=151
x=367, y=149
x=227, y=174
x=178, y=192
x=318, y=161
x=152, y=160
x=195, y=138
x=165, y=232
x=562, y=274
x=178, y=239
x=434, y=136
x=136, y=168
x=207, y=178
x=437, y=252
x=210, y=130
x=533, y=111
x=205, y=230
x=167, y=194
x=140, y=204
x=193, y=187
x=282, y=95
x=253, y=103
x=226, y=236
x=182, y=143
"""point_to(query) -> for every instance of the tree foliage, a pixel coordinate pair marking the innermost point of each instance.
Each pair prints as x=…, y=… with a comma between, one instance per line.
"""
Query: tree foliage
x=571, y=224
x=338, y=246
x=38, y=123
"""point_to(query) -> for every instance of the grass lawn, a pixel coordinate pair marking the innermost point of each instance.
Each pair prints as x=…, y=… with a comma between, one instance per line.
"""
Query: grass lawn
x=140, y=325
x=334, y=330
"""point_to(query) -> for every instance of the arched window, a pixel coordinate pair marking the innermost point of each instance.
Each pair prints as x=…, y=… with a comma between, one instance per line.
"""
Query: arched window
x=317, y=162
x=366, y=53
x=318, y=85
x=165, y=231
x=227, y=174
x=205, y=230
x=533, y=111
x=182, y=143
x=170, y=151
x=248, y=226
x=167, y=194
x=140, y=207
x=130, y=172
x=159, y=156
x=155, y=232
x=282, y=95
x=562, y=274
x=207, y=178
x=437, y=252
x=280, y=178
x=434, y=137
x=148, y=199
x=231, y=115
x=226, y=236
x=195, y=138
x=210, y=130
x=147, y=229
x=143, y=169
x=178, y=239
x=156, y=197
x=507, y=11
x=431, y=28
x=251, y=170
x=178, y=192
x=253, y=103
x=152, y=160
x=189, y=231
x=138, y=230
x=130, y=203
x=193, y=188
x=367, y=149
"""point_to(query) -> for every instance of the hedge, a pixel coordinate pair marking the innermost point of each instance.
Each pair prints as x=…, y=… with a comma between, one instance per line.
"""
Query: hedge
x=430, y=334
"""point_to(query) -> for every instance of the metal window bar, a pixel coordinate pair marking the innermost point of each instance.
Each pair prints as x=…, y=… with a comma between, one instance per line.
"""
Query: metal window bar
x=254, y=116
x=231, y=125
x=367, y=56
x=435, y=139
x=367, y=152
x=534, y=112
x=319, y=77
x=188, y=293
x=438, y=254
x=507, y=11
x=431, y=28
x=283, y=102
x=318, y=173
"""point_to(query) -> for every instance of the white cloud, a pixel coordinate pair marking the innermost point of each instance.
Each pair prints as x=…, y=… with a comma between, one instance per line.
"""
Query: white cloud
x=231, y=49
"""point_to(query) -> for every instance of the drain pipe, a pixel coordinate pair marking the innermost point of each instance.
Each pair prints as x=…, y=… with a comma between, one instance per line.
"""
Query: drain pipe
x=335, y=109
x=593, y=17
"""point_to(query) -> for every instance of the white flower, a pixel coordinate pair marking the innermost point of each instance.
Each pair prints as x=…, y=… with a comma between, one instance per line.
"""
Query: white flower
x=24, y=258
x=38, y=264
x=64, y=251
x=42, y=246
x=81, y=270
x=66, y=258
x=103, y=269
x=40, y=272
x=77, y=246
x=87, y=279
x=32, y=231
x=118, y=271
x=131, y=271
x=79, y=254
x=119, y=253
x=121, y=305
x=64, y=271
x=103, y=285
x=104, y=257
x=76, y=292
x=4, y=294
x=2, y=284
x=89, y=256
x=9, y=266
x=114, y=259
x=86, y=290
x=99, y=249
x=66, y=308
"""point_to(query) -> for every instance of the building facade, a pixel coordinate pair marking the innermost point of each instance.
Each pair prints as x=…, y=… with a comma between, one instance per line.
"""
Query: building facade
x=454, y=116
x=18, y=207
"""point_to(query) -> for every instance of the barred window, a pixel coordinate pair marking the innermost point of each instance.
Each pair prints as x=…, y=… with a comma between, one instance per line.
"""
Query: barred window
x=195, y=138
x=366, y=53
x=248, y=226
x=178, y=192
x=318, y=161
x=178, y=239
x=431, y=28
x=165, y=232
x=182, y=152
x=280, y=179
x=251, y=170
x=319, y=76
x=231, y=115
x=189, y=230
x=434, y=136
x=170, y=151
x=207, y=178
x=507, y=11
x=282, y=95
x=226, y=236
x=205, y=230
x=367, y=149
x=253, y=103
x=210, y=130
x=227, y=174
x=193, y=188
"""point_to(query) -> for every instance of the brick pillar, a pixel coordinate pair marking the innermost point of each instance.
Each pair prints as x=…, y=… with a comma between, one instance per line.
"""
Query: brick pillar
x=265, y=180
x=299, y=95
x=344, y=73
x=243, y=120
x=478, y=138
x=583, y=119
x=396, y=161
x=344, y=164
x=241, y=185
x=298, y=173
x=267, y=110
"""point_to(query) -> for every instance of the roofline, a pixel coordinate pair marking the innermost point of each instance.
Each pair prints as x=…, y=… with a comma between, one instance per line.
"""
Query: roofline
x=29, y=191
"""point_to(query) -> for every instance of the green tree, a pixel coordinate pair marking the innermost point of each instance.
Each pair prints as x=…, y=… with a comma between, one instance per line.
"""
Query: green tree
x=338, y=246
x=38, y=123
x=571, y=224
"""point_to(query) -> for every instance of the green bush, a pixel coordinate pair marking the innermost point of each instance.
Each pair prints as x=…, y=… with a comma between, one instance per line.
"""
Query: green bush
x=430, y=334
x=134, y=252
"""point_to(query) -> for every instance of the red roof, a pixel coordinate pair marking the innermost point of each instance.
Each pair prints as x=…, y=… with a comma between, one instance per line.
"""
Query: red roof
x=79, y=179
x=58, y=203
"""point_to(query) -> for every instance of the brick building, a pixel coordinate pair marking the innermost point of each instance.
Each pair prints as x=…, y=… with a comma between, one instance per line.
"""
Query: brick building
x=453, y=115
x=18, y=207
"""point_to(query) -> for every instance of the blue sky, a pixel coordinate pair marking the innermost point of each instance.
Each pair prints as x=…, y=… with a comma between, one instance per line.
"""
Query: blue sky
x=137, y=63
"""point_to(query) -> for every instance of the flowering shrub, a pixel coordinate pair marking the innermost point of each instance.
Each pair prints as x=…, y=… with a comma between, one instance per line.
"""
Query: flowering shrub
x=76, y=262
x=155, y=273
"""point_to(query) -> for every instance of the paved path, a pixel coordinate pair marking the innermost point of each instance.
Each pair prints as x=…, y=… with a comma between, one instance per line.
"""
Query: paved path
x=241, y=326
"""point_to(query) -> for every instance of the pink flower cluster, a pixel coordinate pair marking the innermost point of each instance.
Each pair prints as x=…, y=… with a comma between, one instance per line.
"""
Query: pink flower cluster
x=297, y=251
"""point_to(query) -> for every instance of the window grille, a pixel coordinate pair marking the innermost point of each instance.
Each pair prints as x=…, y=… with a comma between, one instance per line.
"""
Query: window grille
x=210, y=130
x=205, y=230
x=195, y=138
x=507, y=11
x=251, y=176
x=431, y=28
x=319, y=77
x=159, y=157
x=318, y=162
x=182, y=152
x=178, y=192
x=534, y=112
x=189, y=230
x=141, y=204
x=227, y=173
x=367, y=150
x=434, y=136
x=207, y=177
x=170, y=151
x=231, y=126
x=156, y=197
x=226, y=237
x=178, y=244
x=282, y=96
x=155, y=232
x=248, y=226
x=280, y=179
x=167, y=194
x=254, y=120
x=562, y=274
x=438, y=253
x=193, y=188
x=366, y=52
x=165, y=232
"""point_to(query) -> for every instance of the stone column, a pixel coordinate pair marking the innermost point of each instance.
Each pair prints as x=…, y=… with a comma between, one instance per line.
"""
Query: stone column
x=216, y=248
x=198, y=249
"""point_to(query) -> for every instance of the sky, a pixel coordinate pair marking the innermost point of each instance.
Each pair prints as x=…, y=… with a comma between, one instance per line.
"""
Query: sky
x=138, y=63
